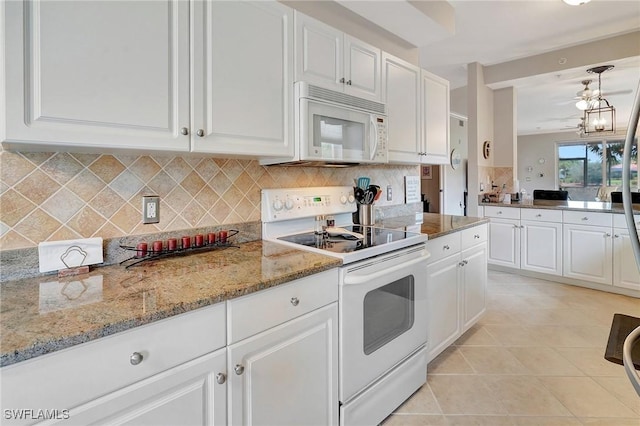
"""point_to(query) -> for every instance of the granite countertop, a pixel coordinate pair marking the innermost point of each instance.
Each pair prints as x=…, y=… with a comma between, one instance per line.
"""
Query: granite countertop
x=433, y=224
x=588, y=206
x=46, y=314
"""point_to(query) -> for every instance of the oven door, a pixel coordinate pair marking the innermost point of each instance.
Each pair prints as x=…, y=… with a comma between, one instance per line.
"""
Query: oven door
x=383, y=303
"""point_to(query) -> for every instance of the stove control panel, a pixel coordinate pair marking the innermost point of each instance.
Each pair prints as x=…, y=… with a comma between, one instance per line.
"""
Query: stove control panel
x=293, y=203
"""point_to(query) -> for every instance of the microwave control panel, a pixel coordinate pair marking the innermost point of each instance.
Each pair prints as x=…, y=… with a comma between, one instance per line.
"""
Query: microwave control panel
x=382, y=153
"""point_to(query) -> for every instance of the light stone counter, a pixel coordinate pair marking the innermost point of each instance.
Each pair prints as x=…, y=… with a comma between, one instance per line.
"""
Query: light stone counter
x=587, y=206
x=433, y=224
x=46, y=314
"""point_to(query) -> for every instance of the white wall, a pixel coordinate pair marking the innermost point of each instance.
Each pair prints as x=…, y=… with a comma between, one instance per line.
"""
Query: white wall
x=505, y=123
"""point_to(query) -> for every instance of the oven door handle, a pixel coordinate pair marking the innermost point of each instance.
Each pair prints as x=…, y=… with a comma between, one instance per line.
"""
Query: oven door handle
x=355, y=279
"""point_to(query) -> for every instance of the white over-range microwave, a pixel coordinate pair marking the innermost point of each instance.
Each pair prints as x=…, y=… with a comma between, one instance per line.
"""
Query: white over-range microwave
x=335, y=129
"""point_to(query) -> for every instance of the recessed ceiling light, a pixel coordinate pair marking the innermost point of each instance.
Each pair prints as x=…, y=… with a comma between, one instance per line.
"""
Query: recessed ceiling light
x=576, y=2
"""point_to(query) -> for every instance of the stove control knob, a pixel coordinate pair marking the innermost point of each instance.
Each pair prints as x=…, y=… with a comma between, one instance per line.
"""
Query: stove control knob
x=277, y=205
x=288, y=204
x=343, y=199
x=352, y=199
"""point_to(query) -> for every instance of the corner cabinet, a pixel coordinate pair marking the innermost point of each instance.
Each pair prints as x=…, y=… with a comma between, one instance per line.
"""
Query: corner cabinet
x=418, y=109
x=332, y=59
x=456, y=286
x=434, y=101
x=153, y=76
x=401, y=93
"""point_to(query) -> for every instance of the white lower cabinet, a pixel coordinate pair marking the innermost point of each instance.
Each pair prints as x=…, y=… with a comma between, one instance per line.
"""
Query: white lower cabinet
x=165, y=373
x=588, y=253
x=287, y=375
x=282, y=355
x=504, y=242
x=541, y=247
x=456, y=286
x=625, y=270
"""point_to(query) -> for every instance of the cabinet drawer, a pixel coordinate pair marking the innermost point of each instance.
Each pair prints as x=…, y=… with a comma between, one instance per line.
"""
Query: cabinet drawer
x=502, y=212
x=73, y=376
x=541, y=215
x=473, y=236
x=587, y=218
x=443, y=246
x=619, y=220
x=251, y=314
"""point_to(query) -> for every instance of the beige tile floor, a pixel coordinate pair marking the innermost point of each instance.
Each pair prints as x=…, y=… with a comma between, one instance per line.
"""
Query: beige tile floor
x=535, y=358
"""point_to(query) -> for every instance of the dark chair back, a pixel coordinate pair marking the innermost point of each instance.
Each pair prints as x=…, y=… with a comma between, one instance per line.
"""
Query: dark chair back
x=548, y=194
x=616, y=197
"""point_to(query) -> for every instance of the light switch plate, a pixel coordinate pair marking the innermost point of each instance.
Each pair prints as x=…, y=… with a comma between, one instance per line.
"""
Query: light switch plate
x=65, y=254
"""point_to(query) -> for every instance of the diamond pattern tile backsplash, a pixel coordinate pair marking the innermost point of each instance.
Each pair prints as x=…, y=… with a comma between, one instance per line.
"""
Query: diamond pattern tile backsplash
x=59, y=196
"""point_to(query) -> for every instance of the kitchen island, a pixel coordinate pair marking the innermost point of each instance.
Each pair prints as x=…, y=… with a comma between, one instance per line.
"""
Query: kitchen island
x=585, y=243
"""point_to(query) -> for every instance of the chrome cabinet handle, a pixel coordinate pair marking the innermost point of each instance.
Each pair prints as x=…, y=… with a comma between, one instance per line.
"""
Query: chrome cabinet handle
x=200, y=132
x=465, y=262
x=607, y=235
x=460, y=263
x=295, y=301
x=616, y=235
x=221, y=378
x=349, y=83
x=184, y=131
x=500, y=212
x=538, y=215
x=342, y=80
x=585, y=218
x=476, y=236
x=239, y=369
x=446, y=247
x=136, y=358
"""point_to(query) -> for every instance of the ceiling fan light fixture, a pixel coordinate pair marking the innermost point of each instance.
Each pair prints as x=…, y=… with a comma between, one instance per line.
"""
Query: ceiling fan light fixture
x=576, y=2
x=582, y=104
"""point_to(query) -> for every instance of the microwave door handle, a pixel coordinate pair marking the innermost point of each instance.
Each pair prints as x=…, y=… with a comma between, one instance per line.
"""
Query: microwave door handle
x=356, y=279
x=374, y=139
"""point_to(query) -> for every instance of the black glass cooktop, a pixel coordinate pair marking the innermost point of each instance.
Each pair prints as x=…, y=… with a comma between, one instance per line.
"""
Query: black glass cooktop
x=341, y=242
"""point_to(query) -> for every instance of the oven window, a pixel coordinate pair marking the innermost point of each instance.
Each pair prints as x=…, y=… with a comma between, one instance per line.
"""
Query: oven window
x=388, y=312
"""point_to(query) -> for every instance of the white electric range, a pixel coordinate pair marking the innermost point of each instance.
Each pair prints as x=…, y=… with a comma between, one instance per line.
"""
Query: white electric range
x=382, y=296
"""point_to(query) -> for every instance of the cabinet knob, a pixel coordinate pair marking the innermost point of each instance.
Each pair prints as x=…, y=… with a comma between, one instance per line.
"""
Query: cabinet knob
x=446, y=247
x=465, y=262
x=500, y=212
x=239, y=369
x=616, y=235
x=295, y=301
x=349, y=83
x=538, y=215
x=585, y=218
x=221, y=378
x=184, y=131
x=460, y=263
x=476, y=236
x=607, y=235
x=342, y=80
x=136, y=358
x=200, y=132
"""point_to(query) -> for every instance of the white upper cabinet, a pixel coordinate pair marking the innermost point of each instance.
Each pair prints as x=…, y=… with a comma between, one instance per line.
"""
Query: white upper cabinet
x=243, y=78
x=330, y=58
x=97, y=74
x=401, y=90
x=434, y=98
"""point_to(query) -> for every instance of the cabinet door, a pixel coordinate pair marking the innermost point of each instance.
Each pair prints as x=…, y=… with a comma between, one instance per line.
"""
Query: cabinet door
x=504, y=242
x=287, y=375
x=541, y=247
x=319, y=53
x=243, y=78
x=435, y=119
x=474, y=284
x=443, y=298
x=587, y=252
x=625, y=270
x=400, y=90
x=362, y=69
x=193, y=393
x=83, y=76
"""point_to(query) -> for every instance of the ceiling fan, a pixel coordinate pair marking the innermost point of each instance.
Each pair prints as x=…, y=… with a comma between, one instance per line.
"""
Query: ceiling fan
x=588, y=98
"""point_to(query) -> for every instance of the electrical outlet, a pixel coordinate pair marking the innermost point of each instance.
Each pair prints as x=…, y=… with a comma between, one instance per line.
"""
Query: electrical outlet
x=150, y=209
x=389, y=193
